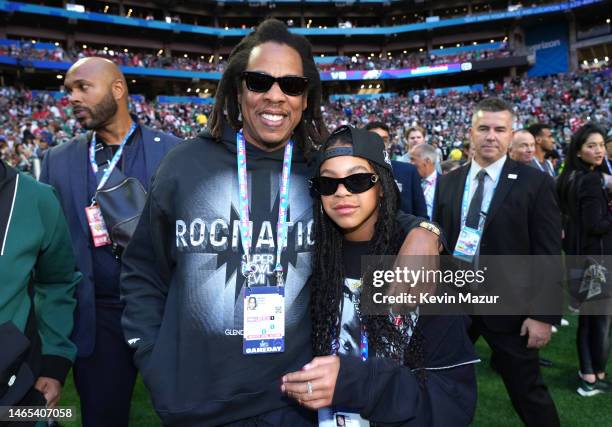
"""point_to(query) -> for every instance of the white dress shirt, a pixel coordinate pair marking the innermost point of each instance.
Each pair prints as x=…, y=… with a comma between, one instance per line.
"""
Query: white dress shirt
x=429, y=191
x=491, y=178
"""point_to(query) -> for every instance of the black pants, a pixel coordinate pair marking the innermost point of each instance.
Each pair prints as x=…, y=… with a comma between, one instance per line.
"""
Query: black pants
x=294, y=416
x=105, y=380
x=520, y=370
x=593, y=341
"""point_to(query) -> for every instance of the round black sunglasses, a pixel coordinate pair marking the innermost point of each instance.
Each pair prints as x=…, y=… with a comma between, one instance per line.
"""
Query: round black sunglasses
x=355, y=184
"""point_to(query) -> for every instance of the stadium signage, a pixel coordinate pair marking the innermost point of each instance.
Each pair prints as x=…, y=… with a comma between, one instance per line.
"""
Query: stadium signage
x=429, y=70
x=550, y=46
x=395, y=74
x=338, y=75
x=544, y=45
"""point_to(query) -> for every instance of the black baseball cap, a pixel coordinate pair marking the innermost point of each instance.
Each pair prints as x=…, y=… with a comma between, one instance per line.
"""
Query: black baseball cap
x=359, y=143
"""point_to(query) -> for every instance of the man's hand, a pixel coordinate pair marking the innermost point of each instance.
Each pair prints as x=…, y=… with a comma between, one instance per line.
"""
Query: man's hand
x=50, y=388
x=538, y=332
x=321, y=373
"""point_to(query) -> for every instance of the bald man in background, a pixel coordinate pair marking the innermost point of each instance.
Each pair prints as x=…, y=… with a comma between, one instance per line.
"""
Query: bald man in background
x=522, y=148
x=104, y=372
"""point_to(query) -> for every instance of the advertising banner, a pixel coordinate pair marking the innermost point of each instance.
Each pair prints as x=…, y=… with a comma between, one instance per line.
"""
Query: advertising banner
x=550, y=45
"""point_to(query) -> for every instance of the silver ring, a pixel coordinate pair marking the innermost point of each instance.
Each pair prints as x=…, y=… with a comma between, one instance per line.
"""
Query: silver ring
x=309, y=387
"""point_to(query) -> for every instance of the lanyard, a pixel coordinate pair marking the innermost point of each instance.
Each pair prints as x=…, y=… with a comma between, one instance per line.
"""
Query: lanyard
x=537, y=162
x=114, y=160
x=546, y=168
x=486, y=202
x=243, y=202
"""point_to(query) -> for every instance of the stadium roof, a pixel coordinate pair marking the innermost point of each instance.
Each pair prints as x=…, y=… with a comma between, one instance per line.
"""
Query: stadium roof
x=16, y=7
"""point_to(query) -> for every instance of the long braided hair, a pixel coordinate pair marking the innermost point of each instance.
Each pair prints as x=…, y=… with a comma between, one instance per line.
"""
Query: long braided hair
x=311, y=130
x=385, y=339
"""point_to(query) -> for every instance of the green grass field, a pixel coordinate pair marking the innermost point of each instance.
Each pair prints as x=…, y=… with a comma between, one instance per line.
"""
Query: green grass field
x=493, y=408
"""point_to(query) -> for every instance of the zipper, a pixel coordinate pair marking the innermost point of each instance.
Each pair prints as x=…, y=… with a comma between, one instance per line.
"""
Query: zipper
x=8, y=224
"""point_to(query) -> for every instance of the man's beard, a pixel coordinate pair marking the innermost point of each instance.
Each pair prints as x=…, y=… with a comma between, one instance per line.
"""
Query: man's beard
x=101, y=113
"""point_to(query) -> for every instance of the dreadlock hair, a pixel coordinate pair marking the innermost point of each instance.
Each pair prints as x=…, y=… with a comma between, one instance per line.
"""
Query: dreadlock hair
x=311, y=130
x=385, y=339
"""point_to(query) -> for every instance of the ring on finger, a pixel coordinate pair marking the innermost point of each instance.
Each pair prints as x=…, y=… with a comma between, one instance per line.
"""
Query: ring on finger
x=309, y=387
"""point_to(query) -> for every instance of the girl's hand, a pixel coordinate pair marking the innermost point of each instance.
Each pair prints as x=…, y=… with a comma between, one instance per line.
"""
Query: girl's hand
x=313, y=387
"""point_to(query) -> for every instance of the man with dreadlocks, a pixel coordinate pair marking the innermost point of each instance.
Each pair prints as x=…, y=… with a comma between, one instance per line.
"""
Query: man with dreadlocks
x=229, y=219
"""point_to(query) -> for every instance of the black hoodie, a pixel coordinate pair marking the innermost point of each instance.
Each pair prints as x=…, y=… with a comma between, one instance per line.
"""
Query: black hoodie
x=183, y=289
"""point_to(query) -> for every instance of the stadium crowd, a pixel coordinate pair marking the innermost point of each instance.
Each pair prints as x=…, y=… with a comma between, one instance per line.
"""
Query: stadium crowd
x=409, y=60
x=117, y=275
x=149, y=60
x=566, y=101
x=27, y=50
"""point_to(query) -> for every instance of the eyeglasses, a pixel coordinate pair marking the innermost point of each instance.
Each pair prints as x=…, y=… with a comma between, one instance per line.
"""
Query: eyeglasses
x=262, y=82
x=355, y=184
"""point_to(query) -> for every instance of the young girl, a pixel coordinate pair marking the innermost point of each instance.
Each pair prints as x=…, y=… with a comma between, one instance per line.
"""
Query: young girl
x=405, y=370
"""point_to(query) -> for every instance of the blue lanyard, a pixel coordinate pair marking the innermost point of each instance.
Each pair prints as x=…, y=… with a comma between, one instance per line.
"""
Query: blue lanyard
x=243, y=202
x=113, y=163
x=486, y=202
x=546, y=168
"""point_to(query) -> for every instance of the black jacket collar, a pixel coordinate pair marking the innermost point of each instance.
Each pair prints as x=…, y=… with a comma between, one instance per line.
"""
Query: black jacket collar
x=7, y=174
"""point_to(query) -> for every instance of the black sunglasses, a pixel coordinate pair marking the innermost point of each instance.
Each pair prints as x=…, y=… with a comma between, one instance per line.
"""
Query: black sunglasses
x=356, y=183
x=262, y=82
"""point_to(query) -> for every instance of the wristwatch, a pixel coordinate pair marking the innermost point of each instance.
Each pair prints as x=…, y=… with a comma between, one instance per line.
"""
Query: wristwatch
x=430, y=227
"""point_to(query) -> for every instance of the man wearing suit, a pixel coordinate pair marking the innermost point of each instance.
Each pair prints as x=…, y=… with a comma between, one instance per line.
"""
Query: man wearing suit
x=406, y=176
x=544, y=144
x=425, y=157
x=502, y=207
x=522, y=148
x=608, y=156
x=104, y=372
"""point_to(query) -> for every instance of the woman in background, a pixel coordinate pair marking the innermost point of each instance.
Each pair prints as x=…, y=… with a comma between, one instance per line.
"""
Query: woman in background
x=585, y=204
